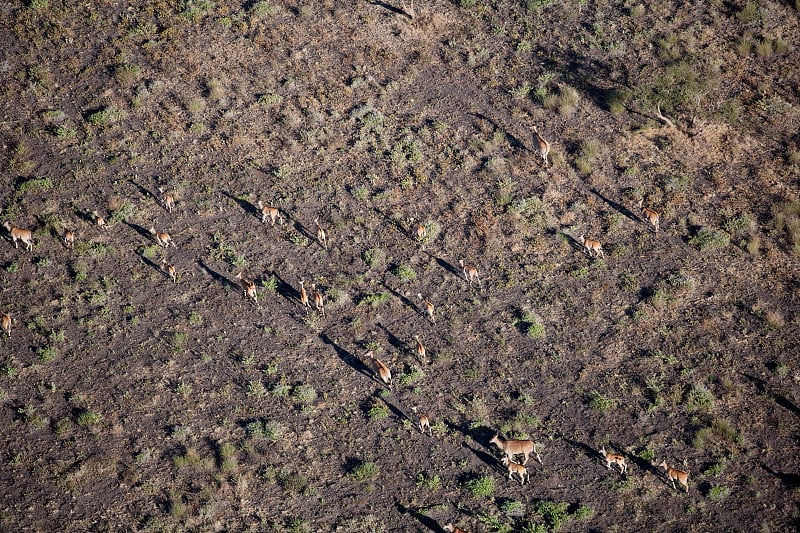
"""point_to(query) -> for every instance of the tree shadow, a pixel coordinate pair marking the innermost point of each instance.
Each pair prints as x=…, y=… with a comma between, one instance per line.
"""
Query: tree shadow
x=348, y=358
x=141, y=230
x=216, y=276
x=284, y=289
x=397, y=411
x=394, y=341
x=617, y=206
x=448, y=266
x=487, y=458
x=152, y=264
x=419, y=514
x=402, y=298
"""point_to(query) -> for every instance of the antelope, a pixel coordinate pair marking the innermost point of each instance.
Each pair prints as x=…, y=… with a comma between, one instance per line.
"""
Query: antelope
x=383, y=371
x=470, y=272
x=514, y=468
x=544, y=146
x=515, y=447
x=304, y=296
x=170, y=270
x=5, y=321
x=321, y=236
x=422, y=232
x=269, y=212
x=651, y=216
x=319, y=302
x=19, y=234
x=98, y=220
x=674, y=473
x=162, y=237
x=69, y=238
x=422, y=353
x=428, y=307
x=424, y=422
x=593, y=248
x=453, y=529
x=248, y=286
x=169, y=200
x=614, y=458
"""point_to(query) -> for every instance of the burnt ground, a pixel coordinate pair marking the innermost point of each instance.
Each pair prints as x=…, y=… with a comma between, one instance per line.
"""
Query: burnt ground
x=134, y=403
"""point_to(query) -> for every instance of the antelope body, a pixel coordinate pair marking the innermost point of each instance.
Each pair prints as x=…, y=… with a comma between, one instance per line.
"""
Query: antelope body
x=319, y=301
x=98, y=219
x=513, y=447
x=614, y=458
x=674, y=473
x=422, y=232
x=383, y=371
x=168, y=199
x=5, y=321
x=518, y=469
x=69, y=238
x=429, y=308
x=304, y=296
x=271, y=213
x=651, y=216
x=593, y=248
x=543, y=145
x=470, y=273
x=19, y=234
x=248, y=286
x=321, y=235
x=162, y=238
x=425, y=423
x=453, y=529
x=422, y=353
x=170, y=270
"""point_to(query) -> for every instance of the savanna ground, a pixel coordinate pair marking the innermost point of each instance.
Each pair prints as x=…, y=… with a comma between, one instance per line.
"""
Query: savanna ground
x=132, y=403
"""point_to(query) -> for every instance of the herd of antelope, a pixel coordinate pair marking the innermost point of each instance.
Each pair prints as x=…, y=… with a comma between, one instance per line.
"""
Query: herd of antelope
x=511, y=448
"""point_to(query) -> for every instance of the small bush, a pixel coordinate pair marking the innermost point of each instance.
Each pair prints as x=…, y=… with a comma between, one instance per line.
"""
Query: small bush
x=718, y=492
x=305, y=394
x=364, y=471
x=708, y=239
x=482, y=486
x=374, y=257
x=404, y=273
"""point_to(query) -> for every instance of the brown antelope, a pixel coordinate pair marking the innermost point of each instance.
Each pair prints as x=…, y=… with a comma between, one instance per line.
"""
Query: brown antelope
x=422, y=232
x=543, y=145
x=429, y=308
x=69, y=238
x=593, y=248
x=383, y=371
x=470, y=272
x=425, y=423
x=5, y=321
x=248, y=286
x=163, y=238
x=674, y=473
x=422, y=353
x=19, y=234
x=170, y=270
x=321, y=235
x=271, y=213
x=304, y=296
x=516, y=447
x=453, y=529
x=168, y=199
x=319, y=301
x=518, y=469
x=98, y=219
x=651, y=216
x=614, y=458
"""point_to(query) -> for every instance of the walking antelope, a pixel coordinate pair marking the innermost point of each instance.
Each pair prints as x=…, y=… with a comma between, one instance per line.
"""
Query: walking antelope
x=383, y=371
x=422, y=353
x=321, y=236
x=248, y=286
x=424, y=422
x=304, y=296
x=593, y=248
x=651, y=216
x=518, y=469
x=271, y=213
x=170, y=270
x=428, y=305
x=674, y=473
x=69, y=238
x=516, y=447
x=19, y=234
x=168, y=199
x=162, y=238
x=453, y=529
x=422, y=232
x=470, y=273
x=614, y=458
x=543, y=145
x=5, y=321
x=98, y=219
x=319, y=301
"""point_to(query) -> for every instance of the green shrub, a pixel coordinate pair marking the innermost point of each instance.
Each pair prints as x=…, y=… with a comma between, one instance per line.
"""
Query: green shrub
x=710, y=239
x=364, y=471
x=482, y=486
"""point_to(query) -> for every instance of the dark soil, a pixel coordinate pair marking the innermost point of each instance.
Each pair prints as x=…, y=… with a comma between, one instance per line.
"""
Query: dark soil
x=132, y=403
